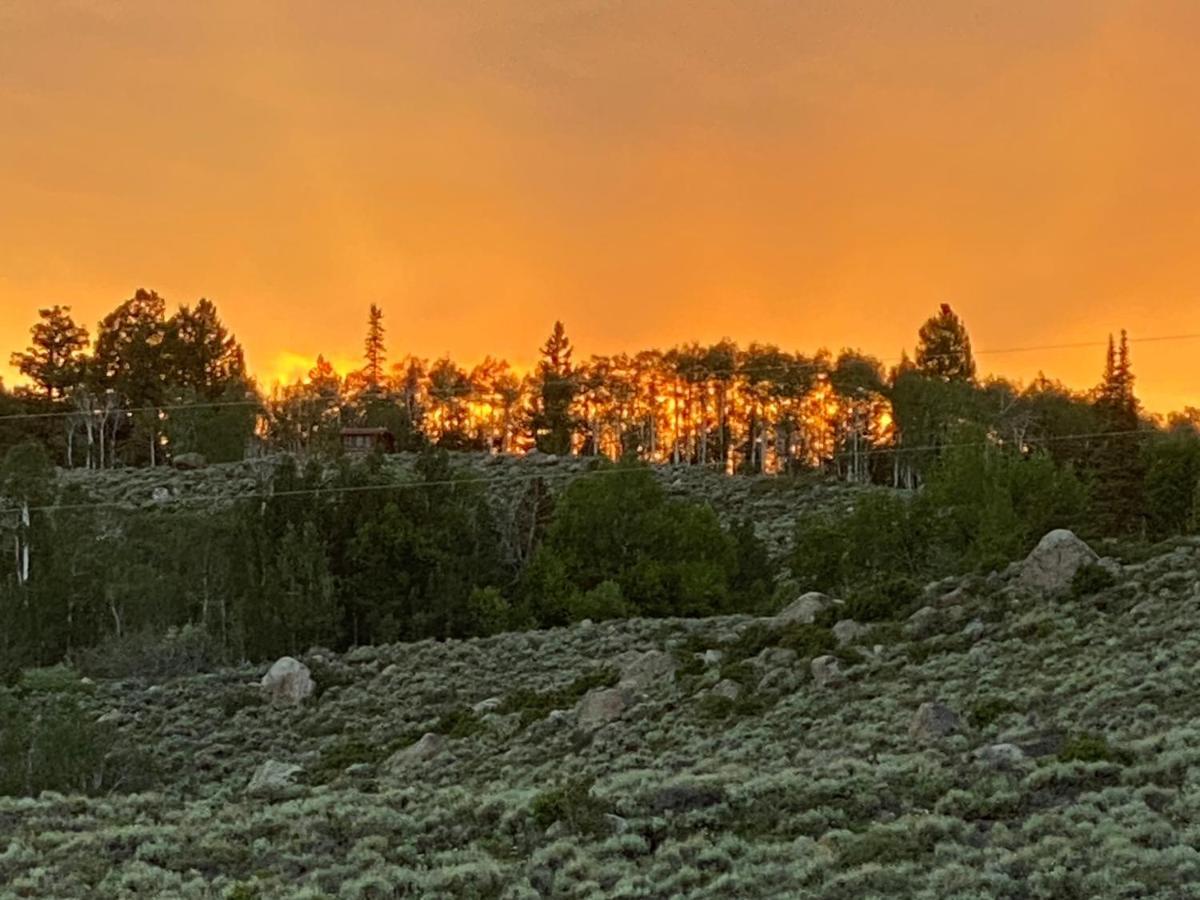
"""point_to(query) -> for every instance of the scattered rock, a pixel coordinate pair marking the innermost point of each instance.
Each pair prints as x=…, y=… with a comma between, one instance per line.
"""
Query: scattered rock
x=826, y=670
x=932, y=721
x=650, y=668
x=187, y=462
x=847, y=631
x=274, y=780
x=729, y=689
x=428, y=747
x=804, y=609
x=778, y=681
x=288, y=681
x=1052, y=564
x=776, y=658
x=598, y=707
x=923, y=622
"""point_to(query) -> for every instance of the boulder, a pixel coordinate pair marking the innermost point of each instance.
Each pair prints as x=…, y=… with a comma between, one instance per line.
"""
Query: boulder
x=923, y=622
x=974, y=629
x=728, y=688
x=847, y=631
x=779, y=681
x=648, y=669
x=932, y=721
x=776, y=658
x=599, y=707
x=804, y=609
x=288, y=681
x=1052, y=564
x=187, y=462
x=428, y=747
x=713, y=657
x=826, y=670
x=486, y=706
x=274, y=780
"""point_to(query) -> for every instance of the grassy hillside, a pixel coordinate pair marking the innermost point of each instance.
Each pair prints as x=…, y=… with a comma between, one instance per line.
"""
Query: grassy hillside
x=671, y=758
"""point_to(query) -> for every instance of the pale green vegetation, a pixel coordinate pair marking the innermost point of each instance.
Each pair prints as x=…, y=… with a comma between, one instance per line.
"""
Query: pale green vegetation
x=794, y=789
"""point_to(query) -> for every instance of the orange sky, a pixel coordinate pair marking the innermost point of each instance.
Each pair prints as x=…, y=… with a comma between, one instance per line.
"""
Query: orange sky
x=808, y=173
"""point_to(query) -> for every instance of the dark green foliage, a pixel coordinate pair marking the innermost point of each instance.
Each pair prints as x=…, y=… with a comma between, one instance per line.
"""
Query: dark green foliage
x=337, y=757
x=988, y=710
x=654, y=556
x=1093, y=748
x=48, y=742
x=747, y=704
x=571, y=803
x=887, y=845
x=890, y=599
x=459, y=723
x=1172, y=467
x=1091, y=579
x=145, y=654
x=535, y=705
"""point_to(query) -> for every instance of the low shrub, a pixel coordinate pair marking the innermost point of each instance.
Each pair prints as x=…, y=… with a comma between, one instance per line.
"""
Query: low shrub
x=988, y=710
x=571, y=803
x=1091, y=579
x=533, y=706
x=888, y=600
x=1093, y=748
x=179, y=651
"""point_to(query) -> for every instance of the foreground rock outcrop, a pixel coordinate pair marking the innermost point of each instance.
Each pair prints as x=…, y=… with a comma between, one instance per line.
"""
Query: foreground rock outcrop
x=1052, y=564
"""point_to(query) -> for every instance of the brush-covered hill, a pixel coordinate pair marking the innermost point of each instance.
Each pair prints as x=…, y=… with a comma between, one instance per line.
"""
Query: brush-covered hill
x=1007, y=739
x=769, y=502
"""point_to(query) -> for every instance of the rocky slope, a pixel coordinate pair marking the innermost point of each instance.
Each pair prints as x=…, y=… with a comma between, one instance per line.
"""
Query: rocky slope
x=1005, y=740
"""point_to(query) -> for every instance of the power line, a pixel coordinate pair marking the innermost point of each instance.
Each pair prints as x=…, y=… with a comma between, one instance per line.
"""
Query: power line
x=543, y=476
x=796, y=367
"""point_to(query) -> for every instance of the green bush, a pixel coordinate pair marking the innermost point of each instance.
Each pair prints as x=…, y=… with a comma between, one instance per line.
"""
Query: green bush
x=53, y=744
x=988, y=710
x=532, y=706
x=1093, y=748
x=1091, y=579
x=891, y=599
x=178, y=651
x=571, y=803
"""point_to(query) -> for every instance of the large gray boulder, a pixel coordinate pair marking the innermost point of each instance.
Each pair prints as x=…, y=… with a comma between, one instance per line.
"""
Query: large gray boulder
x=826, y=671
x=288, y=681
x=274, y=780
x=847, y=631
x=804, y=609
x=599, y=707
x=1052, y=564
x=933, y=721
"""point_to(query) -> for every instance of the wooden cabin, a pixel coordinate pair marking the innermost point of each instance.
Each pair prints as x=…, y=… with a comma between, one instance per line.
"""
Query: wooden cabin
x=368, y=440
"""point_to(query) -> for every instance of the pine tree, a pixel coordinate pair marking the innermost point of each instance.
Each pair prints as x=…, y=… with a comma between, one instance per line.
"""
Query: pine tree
x=376, y=352
x=1117, y=467
x=944, y=347
x=552, y=421
x=53, y=361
